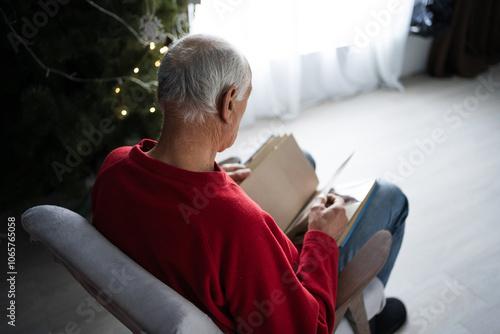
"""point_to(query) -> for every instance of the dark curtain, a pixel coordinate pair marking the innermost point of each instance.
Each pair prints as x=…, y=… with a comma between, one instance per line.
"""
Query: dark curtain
x=473, y=42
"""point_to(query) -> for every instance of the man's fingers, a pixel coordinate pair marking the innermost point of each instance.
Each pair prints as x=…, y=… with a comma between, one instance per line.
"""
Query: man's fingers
x=232, y=167
x=319, y=202
x=328, y=215
x=240, y=174
x=336, y=200
x=330, y=199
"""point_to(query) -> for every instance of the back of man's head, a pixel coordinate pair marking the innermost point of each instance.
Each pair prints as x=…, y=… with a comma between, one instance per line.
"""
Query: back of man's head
x=195, y=72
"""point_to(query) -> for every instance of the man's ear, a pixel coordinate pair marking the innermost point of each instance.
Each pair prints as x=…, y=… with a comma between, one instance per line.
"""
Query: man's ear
x=227, y=108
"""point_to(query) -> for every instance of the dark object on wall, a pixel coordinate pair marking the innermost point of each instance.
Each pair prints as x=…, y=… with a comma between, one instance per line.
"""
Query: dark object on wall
x=473, y=43
x=431, y=17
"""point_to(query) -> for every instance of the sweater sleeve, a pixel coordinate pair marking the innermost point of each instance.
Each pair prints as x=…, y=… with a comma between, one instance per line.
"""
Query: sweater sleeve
x=266, y=295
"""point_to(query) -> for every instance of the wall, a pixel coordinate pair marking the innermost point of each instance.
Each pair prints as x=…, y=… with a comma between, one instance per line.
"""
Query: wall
x=416, y=54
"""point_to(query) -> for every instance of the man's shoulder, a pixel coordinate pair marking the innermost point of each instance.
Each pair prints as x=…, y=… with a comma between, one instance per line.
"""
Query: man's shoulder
x=117, y=155
x=122, y=153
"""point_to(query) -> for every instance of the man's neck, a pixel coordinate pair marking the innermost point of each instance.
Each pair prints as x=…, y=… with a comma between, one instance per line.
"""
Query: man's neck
x=184, y=148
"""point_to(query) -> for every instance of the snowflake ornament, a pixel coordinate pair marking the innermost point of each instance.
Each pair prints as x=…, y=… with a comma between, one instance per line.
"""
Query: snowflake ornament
x=151, y=30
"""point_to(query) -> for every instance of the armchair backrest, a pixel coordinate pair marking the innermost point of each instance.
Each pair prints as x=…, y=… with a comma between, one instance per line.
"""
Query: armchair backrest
x=112, y=277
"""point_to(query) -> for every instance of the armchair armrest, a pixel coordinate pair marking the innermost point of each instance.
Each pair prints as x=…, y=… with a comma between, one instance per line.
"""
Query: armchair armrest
x=358, y=273
x=135, y=297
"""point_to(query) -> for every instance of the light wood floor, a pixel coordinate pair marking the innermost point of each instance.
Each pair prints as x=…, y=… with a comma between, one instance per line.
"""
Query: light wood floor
x=448, y=270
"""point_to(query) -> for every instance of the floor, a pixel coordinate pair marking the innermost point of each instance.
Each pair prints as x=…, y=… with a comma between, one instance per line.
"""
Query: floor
x=439, y=141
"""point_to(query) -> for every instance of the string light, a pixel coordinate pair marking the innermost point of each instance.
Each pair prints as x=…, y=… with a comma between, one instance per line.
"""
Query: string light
x=157, y=63
x=124, y=112
x=146, y=85
x=117, y=90
x=152, y=110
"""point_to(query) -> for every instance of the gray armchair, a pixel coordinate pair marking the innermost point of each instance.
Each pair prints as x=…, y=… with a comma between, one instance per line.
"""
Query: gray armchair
x=146, y=305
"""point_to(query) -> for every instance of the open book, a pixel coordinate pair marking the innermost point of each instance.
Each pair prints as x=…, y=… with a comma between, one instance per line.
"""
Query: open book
x=283, y=182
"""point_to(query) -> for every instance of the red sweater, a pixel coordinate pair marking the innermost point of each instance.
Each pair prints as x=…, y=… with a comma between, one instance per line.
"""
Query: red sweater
x=204, y=237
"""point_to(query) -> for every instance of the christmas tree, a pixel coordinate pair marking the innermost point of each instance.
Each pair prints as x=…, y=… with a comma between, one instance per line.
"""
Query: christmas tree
x=79, y=79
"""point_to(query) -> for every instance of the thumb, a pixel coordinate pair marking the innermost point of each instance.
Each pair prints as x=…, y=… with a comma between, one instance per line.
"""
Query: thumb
x=319, y=202
x=240, y=174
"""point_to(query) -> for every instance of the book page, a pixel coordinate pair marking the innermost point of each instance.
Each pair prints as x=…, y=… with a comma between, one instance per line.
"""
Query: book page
x=254, y=160
x=299, y=220
x=356, y=196
x=282, y=181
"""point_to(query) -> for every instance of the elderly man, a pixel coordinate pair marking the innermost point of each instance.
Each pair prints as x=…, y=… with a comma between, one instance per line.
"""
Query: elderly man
x=180, y=215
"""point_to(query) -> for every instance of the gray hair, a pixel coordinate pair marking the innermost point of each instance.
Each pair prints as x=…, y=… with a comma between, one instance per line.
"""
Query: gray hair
x=196, y=71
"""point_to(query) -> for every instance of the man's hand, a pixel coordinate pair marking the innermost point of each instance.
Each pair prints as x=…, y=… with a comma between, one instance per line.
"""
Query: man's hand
x=237, y=172
x=328, y=215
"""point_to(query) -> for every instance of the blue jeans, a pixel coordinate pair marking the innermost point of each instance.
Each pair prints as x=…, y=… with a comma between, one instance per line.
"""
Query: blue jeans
x=387, y=210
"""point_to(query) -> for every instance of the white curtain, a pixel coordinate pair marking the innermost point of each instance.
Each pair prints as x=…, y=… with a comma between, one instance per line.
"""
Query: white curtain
x=303, y=52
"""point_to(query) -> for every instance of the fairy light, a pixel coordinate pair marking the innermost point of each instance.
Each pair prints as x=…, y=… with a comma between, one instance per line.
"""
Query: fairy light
x=124, y=112
x=164, y=49
x=117, y=90
x=157, y=63
x=50, y=70
x=136, y=70
x=152, y=110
